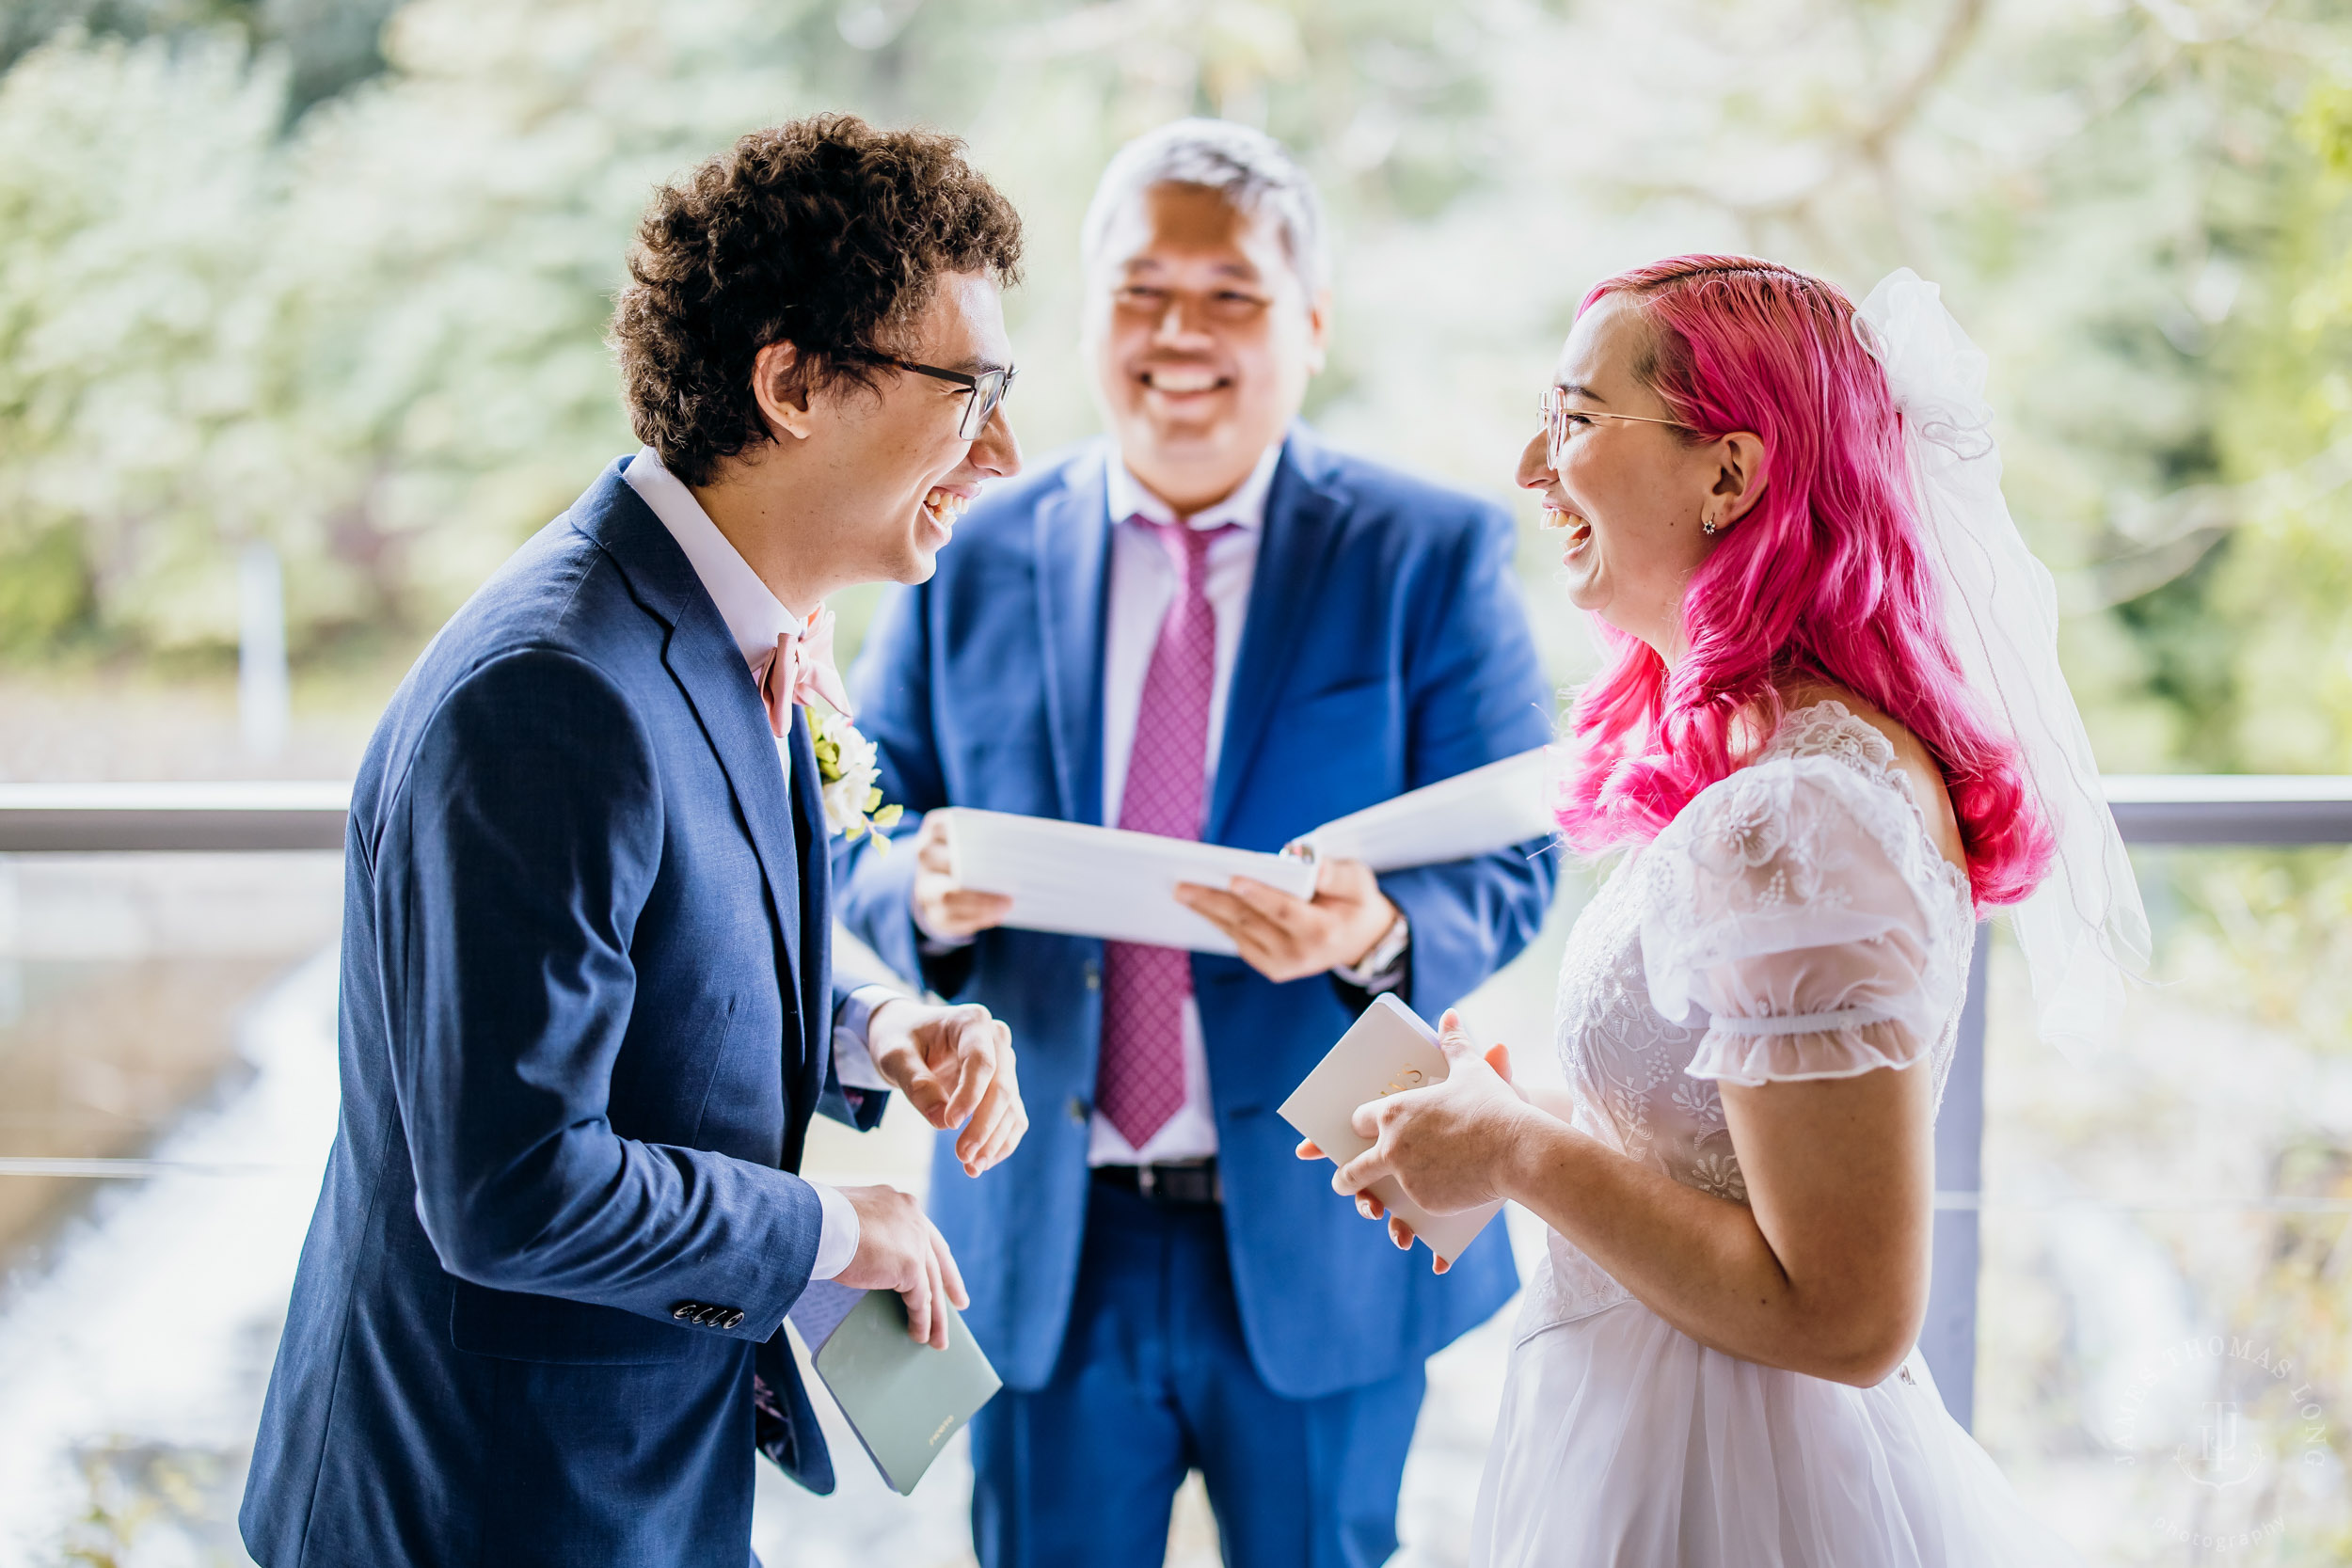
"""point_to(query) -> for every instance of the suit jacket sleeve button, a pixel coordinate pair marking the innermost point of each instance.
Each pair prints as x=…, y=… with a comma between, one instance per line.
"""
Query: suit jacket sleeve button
x=735, y=1319
x=684, y=1310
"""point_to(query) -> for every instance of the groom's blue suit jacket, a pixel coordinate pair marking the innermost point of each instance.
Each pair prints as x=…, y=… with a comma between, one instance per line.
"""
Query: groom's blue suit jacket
x=585, y=1019
x=1385, y=647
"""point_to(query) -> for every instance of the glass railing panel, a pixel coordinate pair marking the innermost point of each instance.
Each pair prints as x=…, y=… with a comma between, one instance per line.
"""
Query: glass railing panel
x=166, y=1098
x=2153, y=1226
x=2164, y=1340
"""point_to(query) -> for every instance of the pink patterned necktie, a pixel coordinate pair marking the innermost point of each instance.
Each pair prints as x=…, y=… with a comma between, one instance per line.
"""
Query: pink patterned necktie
x=1144, y=989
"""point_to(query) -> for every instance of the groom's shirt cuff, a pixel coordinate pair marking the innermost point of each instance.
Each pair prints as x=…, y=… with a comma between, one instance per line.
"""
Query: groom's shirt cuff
x=853, y=1062
x=837, y=1242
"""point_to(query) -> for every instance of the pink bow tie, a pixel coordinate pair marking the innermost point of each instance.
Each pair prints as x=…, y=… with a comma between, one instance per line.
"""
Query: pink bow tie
x=801, y=668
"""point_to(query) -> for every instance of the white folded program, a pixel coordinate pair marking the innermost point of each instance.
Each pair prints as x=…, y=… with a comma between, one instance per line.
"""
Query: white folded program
x=1388, y=1050
x=1470, y=814
x=1089, y=881
x=1106, y=882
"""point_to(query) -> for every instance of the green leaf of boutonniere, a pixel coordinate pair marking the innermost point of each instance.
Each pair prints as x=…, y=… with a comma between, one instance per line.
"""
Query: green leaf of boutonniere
x=848, y=768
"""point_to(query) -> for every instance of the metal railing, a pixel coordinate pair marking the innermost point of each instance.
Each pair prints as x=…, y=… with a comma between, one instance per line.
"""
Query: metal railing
x=100, y=818
x=265, y=815
x=2199, y=810
x=2280, y=810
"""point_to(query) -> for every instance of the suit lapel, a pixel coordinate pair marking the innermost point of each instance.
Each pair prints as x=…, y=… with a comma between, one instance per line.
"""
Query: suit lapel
x=710, y=669
x=1303, y=523
x=702, y=659
x=814, y=935
x=1072, y=575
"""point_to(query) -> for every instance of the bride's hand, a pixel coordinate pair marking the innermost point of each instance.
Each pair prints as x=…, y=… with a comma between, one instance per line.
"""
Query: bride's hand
x=1498, y=1057
x=1443, y=1144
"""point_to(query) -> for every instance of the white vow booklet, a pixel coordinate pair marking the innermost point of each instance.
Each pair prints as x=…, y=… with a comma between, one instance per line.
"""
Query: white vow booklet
x=1475, y=813
x=1120, y=886
x=1388, y=1050
x=1106, y=881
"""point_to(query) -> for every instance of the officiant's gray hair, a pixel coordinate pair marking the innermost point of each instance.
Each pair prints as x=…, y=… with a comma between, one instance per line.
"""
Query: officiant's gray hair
x=1252, y=172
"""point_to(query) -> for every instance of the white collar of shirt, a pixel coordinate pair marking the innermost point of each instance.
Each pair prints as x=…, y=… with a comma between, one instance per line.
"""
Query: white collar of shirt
x=1245, y=508
x=752, y=612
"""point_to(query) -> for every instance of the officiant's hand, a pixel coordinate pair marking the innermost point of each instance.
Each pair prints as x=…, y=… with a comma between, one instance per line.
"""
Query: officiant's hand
x=955, y=1064
x=1284, y=938
x=944, y=908
x=899, y=1249
x=1445, y=1144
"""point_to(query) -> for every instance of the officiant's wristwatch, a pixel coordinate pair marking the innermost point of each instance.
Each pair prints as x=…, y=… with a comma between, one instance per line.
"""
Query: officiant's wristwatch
x=1382, y=967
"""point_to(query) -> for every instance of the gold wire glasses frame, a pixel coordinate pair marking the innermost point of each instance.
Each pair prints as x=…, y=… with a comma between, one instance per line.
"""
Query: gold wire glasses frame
x=1556, y=413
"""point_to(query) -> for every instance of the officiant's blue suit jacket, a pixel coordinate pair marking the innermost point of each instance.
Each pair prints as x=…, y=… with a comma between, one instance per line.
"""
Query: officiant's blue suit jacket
x=585, y=1019
x=1385, y=648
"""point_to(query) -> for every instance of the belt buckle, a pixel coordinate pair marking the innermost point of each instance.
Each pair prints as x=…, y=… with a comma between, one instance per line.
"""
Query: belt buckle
x=1147, y=1181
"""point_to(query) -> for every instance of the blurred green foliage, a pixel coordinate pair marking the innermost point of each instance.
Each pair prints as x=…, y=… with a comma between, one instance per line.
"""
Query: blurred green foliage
x=2287, y=438
x=335, y=274
x=136, y=1489
x=328, y=45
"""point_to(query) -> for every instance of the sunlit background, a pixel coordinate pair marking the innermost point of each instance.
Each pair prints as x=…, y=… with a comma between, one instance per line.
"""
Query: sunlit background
x=301, y=311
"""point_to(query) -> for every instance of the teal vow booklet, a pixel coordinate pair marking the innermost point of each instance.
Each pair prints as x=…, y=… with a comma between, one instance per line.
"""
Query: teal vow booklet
x=903, y=1398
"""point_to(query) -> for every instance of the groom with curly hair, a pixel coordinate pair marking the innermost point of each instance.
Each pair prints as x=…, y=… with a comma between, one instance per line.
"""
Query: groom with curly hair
x=587, y=1010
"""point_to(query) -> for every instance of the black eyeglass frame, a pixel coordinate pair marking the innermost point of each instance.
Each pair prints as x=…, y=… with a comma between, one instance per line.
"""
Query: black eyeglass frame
x=989, y=389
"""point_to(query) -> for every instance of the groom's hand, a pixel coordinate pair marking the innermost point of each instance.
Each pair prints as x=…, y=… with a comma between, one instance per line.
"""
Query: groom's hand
x=899, y=1249
x=1284, y=938
x=955, y=1064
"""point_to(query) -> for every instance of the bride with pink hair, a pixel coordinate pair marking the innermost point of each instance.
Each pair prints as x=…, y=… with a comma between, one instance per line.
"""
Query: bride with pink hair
x=1832, y=737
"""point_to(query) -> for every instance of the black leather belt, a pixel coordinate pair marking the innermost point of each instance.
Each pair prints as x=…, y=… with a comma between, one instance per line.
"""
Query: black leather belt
x=1195, y=1181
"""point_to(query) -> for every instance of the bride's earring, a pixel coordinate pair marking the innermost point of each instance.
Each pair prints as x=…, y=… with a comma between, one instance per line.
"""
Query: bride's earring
x=1707, y=526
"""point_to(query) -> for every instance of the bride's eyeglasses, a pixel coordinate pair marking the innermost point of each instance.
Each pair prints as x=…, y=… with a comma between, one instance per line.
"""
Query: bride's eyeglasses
x=1561, y=422
x=987, y=388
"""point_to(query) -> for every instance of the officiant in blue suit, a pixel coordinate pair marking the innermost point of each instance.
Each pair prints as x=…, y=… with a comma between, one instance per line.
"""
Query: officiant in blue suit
x=1212, y=626
x=587, y=1012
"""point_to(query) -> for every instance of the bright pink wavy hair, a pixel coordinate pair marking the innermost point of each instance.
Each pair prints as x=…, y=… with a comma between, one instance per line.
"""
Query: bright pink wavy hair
x=1823, y=580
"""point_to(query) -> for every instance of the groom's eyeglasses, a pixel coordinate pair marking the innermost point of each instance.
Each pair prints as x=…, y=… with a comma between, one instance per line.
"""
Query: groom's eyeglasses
x=987, y=388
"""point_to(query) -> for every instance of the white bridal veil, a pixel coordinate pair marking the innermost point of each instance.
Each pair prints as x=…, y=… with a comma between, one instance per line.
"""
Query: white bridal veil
x=2082, y=930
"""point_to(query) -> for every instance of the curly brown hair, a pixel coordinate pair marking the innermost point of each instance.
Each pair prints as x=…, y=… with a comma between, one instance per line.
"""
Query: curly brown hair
x=824, y=232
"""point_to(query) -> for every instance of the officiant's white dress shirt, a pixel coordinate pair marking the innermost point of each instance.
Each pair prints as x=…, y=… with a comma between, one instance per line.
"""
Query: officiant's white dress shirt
x=756, y=618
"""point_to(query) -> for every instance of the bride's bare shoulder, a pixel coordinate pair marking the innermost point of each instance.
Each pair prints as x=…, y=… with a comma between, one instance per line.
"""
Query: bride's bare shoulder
x=1912, y=760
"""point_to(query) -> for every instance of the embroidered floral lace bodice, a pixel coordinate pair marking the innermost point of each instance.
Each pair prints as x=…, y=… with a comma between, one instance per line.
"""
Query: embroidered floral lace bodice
x=1775, y=930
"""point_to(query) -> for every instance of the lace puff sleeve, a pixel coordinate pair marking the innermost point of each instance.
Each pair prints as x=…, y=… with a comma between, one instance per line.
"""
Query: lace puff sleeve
x=1799, y=907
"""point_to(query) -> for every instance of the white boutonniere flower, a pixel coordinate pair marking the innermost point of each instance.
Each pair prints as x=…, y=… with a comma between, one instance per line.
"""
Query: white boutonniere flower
x=847, y=765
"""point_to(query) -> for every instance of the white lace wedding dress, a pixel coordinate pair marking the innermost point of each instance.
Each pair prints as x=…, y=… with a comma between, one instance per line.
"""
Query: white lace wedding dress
x=1784, y=918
